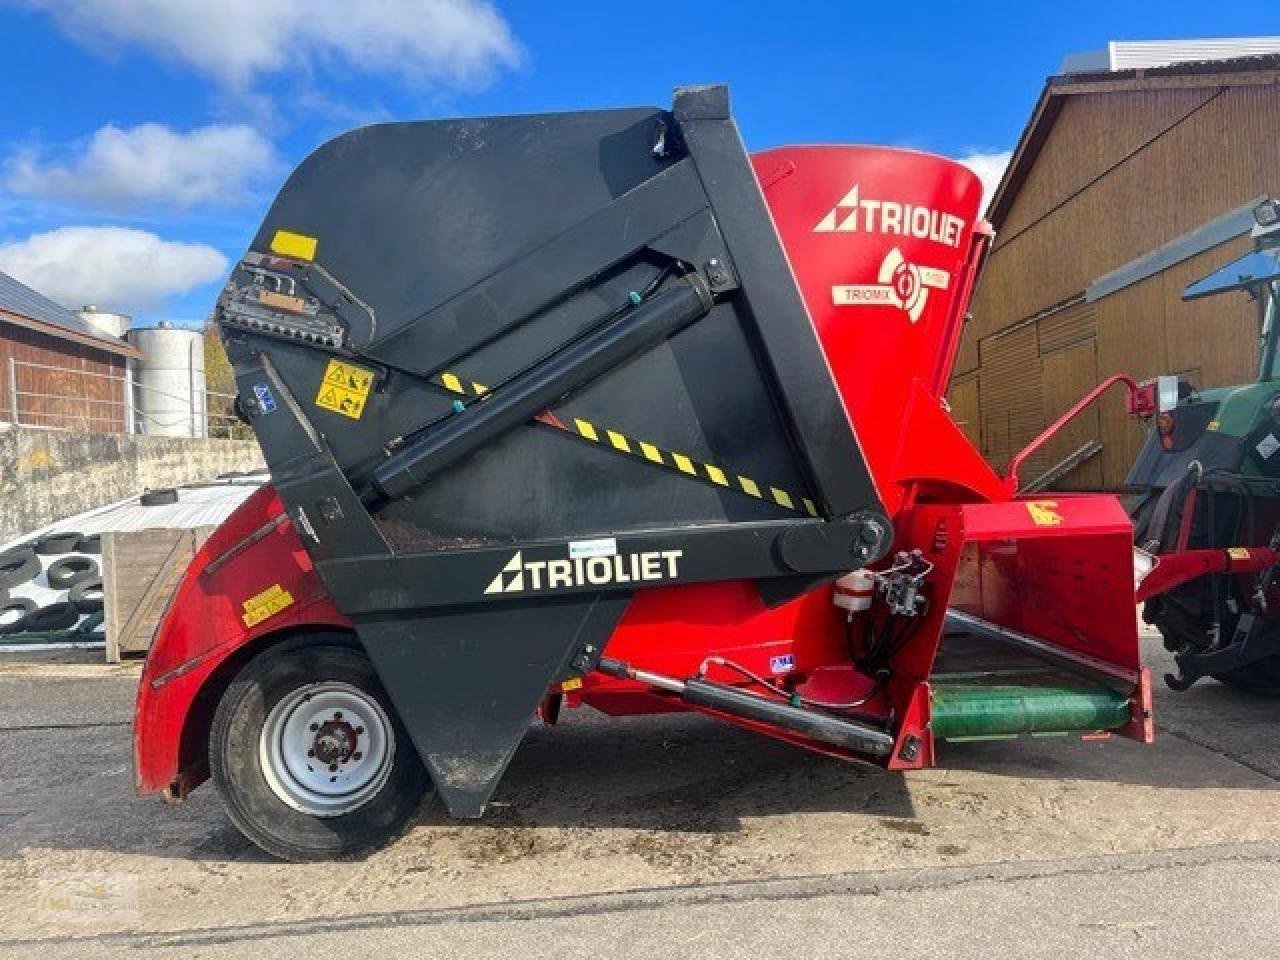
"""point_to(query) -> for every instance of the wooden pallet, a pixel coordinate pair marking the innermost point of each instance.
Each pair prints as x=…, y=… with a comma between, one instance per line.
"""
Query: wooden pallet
x=141, y=570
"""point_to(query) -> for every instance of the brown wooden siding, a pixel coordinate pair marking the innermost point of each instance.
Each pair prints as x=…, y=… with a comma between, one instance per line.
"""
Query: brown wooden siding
x=1120, y=173
x=965, y=410
x=60, y=383
x=1070, y=372
x=1119, y=124
x=1146, y=330
x=1012, y=405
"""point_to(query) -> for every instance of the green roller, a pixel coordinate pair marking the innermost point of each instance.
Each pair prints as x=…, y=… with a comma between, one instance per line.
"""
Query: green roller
x=984, y=710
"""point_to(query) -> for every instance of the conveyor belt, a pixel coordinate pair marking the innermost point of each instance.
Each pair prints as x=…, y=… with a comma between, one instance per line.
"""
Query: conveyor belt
x=987, y=686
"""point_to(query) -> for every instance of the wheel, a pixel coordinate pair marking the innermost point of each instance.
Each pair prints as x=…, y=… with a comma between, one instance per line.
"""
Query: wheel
x=158, y=498
x=14, y=613
x=309, y=756
x=56, y=616
x=86, y=596
x=66, y=573
x=90, y=544
x=1260, y=677
x=18, y=566
x=1180, y=617
x=1140, y=516
x=52, y=544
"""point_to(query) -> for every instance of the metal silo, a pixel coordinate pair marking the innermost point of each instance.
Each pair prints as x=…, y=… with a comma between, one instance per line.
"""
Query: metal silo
x=169, y=383
x=105, y=321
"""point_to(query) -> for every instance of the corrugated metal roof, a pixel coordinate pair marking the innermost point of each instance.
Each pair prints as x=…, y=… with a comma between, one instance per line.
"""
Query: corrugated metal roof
x=197, y=506
x=1133, y=55
x=20, y=299
x=1145, y=54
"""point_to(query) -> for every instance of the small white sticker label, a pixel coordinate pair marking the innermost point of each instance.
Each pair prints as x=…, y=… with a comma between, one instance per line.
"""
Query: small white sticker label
x=1267, y=446
x=604, y=547
x=784, y=663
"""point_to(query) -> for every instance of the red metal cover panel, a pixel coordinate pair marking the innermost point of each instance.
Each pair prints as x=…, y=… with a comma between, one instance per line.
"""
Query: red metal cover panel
x=884, y=245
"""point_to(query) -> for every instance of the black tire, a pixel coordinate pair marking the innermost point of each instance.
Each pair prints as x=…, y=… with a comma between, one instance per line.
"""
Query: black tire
x=1261, y=677
x=90, y=544
x=86, y=596
x=159, y=498
x=18, y=566
x=23, y=607
x=91, y=623
x=1178, y=616
x=235, y=755
x=55, y=616
x=52, y=544
x=66, y=573
x=1140, y=515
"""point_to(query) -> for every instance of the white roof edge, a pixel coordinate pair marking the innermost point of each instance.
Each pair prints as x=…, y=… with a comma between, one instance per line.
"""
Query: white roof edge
x=1139, y=54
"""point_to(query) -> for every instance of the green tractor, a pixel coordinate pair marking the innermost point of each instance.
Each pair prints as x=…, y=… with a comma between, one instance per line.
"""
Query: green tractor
x=1210, y=476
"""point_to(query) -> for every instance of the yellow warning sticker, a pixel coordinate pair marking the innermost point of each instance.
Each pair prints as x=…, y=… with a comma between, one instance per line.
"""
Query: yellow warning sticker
x=1214, y=425
x=1044, y=513
x=266, y=604
x=456, y=382
x=298, y=245
x=1238, y=553
x=344, y=389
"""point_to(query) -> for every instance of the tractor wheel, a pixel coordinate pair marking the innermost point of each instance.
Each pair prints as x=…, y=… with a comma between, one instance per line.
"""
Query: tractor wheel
x=1261, y=677
x=1178, y=618
x=309, y=755
x=1140, y=515
x=1179, y=627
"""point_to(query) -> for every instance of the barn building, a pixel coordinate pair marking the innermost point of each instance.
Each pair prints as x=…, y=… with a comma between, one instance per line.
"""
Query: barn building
x=58, y=370
x=1136, y=174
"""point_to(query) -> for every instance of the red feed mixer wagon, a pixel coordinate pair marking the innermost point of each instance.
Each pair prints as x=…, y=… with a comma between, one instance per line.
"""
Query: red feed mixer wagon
x=596, y=409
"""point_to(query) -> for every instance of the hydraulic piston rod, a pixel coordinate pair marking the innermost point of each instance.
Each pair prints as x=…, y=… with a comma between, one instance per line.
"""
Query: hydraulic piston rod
x=650, y=322
x=739, y=703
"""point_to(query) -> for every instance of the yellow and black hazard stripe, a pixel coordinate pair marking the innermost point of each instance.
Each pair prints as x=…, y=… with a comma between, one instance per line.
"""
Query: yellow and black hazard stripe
x=651, y=453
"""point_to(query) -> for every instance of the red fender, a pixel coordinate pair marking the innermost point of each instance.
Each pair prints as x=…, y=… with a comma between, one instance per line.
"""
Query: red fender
x=252, y=580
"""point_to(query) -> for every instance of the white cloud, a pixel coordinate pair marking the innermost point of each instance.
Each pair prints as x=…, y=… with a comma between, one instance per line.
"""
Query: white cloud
x=149, y=165
x=990, y=168
x=237, y=42
x=119, y=268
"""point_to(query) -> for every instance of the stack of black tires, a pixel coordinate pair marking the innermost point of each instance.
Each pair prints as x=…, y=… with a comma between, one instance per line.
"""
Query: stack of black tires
x=65, y=565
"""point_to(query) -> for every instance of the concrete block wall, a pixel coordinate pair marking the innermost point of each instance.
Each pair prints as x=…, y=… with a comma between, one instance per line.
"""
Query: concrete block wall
x=46, y=475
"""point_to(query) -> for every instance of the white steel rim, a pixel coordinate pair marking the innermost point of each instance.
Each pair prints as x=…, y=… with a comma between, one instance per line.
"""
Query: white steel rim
x=327, y=748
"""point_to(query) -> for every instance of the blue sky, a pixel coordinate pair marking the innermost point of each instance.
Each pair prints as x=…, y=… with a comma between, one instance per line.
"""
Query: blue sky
x=140, y=140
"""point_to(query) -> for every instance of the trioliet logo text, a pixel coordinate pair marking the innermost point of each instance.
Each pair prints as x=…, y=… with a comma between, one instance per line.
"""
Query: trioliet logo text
x=519, y=574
